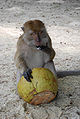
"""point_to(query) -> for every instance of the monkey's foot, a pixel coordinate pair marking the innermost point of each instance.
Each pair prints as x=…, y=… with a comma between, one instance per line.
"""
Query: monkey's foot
x=27, y=75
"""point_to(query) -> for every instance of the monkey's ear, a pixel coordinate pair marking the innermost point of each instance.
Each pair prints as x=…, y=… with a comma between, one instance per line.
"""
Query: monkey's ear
x=22, y=28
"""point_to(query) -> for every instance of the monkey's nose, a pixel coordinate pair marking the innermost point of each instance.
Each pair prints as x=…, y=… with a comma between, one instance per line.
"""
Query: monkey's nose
x=38, y=38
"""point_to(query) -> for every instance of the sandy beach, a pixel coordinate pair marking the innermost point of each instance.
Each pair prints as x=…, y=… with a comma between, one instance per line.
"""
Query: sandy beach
x=62, y=20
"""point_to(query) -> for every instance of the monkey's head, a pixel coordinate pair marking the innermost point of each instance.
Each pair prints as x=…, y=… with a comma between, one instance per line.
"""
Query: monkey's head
x=35, y=33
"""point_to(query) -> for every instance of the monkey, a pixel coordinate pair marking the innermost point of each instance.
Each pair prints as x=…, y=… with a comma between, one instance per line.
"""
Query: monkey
x=34, y=49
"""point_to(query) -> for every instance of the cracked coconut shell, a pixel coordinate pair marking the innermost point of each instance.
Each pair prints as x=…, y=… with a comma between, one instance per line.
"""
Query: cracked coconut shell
x=42, y=88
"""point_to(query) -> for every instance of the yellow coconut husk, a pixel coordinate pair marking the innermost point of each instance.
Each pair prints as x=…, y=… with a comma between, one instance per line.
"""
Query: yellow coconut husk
x=42, y=88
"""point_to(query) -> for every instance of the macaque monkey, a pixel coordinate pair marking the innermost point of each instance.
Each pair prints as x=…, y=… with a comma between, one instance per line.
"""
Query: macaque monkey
x=34, y=49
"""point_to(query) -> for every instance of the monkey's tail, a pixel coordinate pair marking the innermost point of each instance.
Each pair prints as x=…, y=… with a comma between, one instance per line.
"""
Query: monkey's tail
x=61, y=74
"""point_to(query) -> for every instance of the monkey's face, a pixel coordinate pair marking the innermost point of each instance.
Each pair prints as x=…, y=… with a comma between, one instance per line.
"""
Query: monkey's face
x=35, y=33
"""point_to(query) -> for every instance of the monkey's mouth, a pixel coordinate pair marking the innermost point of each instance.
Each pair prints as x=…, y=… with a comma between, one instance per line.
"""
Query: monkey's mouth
x=38, y=43
x=41, y=47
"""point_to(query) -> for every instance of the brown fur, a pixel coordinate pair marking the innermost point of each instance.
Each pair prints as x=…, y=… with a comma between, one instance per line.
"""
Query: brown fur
x=27, y=55
x=35, y=25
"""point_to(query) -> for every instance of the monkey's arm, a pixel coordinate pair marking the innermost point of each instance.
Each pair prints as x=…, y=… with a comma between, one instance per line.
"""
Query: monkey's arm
x=20, y=63
x=19, y=56
x=48, y=49
x=22, y=67
x=20, y=60
x=52, y=52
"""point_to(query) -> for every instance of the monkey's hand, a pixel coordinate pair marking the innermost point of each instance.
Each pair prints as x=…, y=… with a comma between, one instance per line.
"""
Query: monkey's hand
x=27, y=75
x=45, y=49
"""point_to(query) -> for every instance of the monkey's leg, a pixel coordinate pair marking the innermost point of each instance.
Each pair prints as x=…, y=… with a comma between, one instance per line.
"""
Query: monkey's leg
x=19, y=75
x=50, y=65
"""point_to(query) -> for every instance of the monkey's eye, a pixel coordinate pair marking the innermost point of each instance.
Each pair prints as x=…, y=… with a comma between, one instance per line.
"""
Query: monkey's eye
x=41, y=32
x=33, y=33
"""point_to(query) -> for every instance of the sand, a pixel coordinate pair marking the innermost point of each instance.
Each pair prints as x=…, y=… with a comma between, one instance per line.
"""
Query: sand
x=62, y=20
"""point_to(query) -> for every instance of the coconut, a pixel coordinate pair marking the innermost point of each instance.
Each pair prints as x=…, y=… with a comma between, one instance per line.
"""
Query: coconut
x=42, y=88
